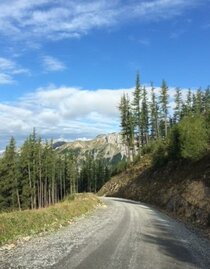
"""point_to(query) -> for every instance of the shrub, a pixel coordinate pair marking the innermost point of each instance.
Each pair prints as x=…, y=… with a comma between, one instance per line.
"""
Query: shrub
x=189, y=139
x=160, y=155
x=119, y=167
x=151, y=147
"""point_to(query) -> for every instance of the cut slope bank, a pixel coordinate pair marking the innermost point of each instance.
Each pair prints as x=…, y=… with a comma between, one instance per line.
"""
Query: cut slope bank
x=183, y=189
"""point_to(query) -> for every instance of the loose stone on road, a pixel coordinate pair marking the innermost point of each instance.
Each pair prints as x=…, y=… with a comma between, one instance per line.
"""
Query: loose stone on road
x=122, y=234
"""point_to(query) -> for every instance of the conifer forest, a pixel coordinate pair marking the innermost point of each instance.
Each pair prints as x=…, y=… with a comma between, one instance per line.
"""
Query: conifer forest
x=36, y=175
x=150, y=125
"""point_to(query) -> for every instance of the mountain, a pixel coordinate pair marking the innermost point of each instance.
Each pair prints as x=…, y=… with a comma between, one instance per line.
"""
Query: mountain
x=105, y=146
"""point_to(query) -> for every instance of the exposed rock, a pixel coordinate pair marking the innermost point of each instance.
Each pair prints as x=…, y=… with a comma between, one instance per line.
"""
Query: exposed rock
x=108, y=146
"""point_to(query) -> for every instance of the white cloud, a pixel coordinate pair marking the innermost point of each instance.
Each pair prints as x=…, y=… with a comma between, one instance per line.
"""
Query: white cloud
x=161, y=9
x=55, y=20
x=61, y=112
x=6, y=79
x=52, y=64
x=8, y=69
x=64, y=112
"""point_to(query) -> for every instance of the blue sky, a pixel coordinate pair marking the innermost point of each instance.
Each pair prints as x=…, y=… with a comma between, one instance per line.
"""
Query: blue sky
x=64, y=64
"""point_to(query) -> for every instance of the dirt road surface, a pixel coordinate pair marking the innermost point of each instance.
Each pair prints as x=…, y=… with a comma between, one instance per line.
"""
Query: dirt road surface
x=121, y=234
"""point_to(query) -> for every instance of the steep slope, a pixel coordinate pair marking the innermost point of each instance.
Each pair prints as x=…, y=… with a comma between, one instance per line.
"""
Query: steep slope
x=108, y=147
x=183, y=189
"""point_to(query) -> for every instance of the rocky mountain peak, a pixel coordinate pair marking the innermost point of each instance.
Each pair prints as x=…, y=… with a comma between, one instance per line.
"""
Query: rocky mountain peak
x=108, y=146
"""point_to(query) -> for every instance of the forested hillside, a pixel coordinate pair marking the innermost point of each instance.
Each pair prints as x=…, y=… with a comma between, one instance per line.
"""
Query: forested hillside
x=150, y=122
x=169, y=164
x=36, y=175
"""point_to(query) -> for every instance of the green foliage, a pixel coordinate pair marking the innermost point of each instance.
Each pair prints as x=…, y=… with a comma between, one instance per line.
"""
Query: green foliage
x=208, y=125
x=189, y=138
x=127, y=122
x=160, y=154
x=154, y=114
x=185, y=134
x=15, y=225
x=93, y=174
x=9, y=178
x=151, y=147
x=119, y=167
x=164, y=96
x=37, y=176
x=178, y=102
x=145, y=117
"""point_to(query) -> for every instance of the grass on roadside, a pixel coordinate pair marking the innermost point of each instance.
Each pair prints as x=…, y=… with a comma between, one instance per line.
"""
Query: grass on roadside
x=19, y=224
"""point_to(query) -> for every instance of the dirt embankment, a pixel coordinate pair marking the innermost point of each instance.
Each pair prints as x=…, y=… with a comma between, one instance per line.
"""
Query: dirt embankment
x=183, y=189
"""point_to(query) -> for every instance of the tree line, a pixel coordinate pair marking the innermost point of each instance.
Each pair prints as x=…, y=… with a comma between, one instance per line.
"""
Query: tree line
x=146, y=116
x=37, y=176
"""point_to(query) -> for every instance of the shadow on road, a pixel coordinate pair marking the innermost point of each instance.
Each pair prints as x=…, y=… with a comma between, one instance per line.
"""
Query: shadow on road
x=162, y=236
x=159, y=232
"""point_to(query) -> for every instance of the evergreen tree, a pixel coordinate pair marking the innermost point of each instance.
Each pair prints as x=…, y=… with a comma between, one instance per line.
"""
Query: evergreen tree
x=127, y=124
x=154, y=119
x=197, y=103
x=187, y=106
x=206, y=100
x=178, y=105
x=199, y=97
x=137, y=98
x=9, y=178
x=164, y=106
x=145, y=117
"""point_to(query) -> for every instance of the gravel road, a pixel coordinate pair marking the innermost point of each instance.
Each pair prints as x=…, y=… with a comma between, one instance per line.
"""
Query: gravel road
x=122, y=234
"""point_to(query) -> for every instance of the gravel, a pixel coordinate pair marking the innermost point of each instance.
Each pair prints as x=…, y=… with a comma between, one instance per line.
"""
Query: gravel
x=120, y=234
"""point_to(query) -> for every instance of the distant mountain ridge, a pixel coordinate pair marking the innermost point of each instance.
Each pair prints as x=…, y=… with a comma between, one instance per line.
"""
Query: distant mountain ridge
x=106, y=146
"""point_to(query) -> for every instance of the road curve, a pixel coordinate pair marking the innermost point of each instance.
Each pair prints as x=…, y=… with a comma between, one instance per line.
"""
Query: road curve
x=124, y=234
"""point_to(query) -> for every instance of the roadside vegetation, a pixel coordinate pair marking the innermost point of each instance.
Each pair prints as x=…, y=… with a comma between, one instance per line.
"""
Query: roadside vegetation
x=37, y=176
x=150, y=125
x=169, y=152
x=18, y=224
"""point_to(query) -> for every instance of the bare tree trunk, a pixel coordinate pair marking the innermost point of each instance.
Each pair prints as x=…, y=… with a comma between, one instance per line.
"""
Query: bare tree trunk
x=42, y=194
x=61, y=185
x=71, y=190
x=49, y=196
x=139, y=142
x=45, y=192
x=64, y=186
x=18, y=199
x=53, y=192
x=30, y=185
x=40, y=183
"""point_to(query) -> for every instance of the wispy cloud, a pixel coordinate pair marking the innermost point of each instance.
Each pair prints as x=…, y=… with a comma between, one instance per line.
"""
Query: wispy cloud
x=178, y=33
x=61, y=19
x=64, y=112
x=8, y=69
x=144, y=42
x=161, y=9
x=6, y=79
x=52, y=64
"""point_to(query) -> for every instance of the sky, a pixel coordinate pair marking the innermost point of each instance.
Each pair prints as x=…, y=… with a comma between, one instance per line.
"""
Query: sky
x=65, y=63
